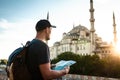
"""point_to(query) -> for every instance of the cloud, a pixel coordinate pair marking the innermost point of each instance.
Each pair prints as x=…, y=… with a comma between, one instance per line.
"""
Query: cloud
x=24, y=26
x=3, y=25
x=12, y=34
x=102, y=1
x=2, y=30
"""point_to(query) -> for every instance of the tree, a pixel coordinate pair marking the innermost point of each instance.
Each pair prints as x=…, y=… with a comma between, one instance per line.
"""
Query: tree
x=3, y=61
x=68, y=56
x=92, y=64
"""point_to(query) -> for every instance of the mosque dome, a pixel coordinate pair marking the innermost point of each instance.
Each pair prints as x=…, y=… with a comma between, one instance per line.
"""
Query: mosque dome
x=56, y=43
x=75, y=32
x=79, y=28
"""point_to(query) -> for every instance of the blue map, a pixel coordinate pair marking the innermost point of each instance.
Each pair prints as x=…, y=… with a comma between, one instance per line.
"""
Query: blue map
x=62, y=64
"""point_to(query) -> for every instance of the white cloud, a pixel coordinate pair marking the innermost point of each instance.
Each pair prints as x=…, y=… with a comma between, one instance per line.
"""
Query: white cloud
x=102, y=1
x=3, y=23
x=15, y=34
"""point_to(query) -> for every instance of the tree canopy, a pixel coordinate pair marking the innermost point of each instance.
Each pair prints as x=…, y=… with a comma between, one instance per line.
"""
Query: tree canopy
x=92, y=64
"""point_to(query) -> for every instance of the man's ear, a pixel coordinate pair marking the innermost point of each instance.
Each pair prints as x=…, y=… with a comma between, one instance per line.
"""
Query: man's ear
x=47, y=30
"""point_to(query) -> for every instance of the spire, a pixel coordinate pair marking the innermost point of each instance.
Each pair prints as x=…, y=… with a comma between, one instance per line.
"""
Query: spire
x=91, y=1
x=114, y=30
x=48, y=16
x=114, y=20
x=73, y=25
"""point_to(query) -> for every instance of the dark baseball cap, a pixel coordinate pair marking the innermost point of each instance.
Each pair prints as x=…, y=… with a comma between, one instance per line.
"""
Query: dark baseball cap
x=43, y=24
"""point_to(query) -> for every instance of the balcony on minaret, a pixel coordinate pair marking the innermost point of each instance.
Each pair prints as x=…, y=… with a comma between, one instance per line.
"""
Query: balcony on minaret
x=92, y=20
x=92, y=10
x=92, y=30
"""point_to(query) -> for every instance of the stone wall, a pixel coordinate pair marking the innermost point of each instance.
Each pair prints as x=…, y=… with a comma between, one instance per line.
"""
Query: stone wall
x=3, y=75
x=83, y=77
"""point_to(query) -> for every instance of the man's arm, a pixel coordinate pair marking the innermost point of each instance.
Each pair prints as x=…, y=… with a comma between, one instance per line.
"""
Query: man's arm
x=47, y=73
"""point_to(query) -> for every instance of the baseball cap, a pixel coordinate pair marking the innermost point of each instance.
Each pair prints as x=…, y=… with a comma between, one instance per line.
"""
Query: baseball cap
x=42, y=24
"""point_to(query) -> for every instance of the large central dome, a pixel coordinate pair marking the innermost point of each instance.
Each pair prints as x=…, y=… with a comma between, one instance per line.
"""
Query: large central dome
x=79, y=28
x=76, y=32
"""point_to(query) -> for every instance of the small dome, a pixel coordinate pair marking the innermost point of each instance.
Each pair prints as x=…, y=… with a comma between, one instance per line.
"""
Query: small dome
x=56, y=43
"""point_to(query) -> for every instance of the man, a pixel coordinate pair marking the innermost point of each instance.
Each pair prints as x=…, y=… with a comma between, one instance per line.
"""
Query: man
x=38, y=58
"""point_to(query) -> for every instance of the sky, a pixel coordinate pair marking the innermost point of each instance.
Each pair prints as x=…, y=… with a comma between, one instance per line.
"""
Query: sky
x=19, y=17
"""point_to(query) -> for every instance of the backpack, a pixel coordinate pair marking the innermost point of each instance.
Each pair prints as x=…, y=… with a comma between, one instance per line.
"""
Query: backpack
x=16, y=66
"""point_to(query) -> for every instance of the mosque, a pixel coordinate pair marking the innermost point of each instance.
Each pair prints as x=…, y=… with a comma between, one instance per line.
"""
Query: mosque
x=83, y=41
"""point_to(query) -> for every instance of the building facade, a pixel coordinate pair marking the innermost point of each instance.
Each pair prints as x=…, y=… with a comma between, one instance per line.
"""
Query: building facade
x=83, y=41
x=77, y=40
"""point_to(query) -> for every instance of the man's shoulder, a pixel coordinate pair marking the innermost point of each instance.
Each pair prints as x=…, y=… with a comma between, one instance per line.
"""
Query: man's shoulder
x=37, y=42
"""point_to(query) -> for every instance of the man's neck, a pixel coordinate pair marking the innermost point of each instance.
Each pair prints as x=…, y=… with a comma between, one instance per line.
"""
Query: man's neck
x=41, y=37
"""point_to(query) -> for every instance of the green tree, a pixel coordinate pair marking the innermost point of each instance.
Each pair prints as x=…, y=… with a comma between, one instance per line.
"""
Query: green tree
x=68, y=56
x=3, y=61
x=92, y=64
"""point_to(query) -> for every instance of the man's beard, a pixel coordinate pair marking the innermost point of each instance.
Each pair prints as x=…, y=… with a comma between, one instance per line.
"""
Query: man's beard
x=47, y=38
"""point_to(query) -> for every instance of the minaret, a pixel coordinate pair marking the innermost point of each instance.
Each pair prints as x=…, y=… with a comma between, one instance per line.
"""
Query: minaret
x=92, y=30
x=114, y=30
x=48, y=16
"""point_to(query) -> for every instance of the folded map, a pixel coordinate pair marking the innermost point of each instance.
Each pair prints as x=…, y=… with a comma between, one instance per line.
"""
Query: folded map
x=62, y=64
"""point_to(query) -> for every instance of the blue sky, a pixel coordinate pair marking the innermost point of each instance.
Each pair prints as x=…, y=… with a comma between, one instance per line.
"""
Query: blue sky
x=15, y=9
x=18, y=19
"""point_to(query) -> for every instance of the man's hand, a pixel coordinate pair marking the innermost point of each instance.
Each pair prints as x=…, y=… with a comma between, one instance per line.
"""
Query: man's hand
x=67, y=69
x=53, y=65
